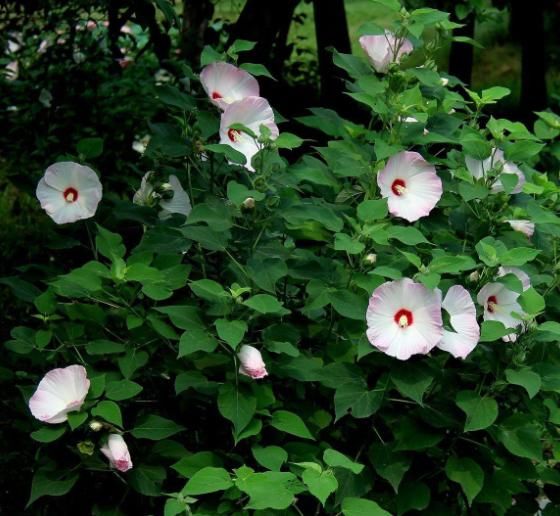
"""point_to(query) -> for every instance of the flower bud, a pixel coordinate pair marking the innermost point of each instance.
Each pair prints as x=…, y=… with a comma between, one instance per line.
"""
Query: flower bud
x=86, y=447
x=248, y=203
x=252, y=363
x=370, y=259
x=474, y=276
x=117, y=452
x=96, y=426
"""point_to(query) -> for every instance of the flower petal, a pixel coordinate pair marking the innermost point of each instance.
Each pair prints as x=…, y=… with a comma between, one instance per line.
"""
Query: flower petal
x=225, y=83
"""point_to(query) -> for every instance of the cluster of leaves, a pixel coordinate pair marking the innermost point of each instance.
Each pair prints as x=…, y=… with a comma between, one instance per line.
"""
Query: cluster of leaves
x=157, y=318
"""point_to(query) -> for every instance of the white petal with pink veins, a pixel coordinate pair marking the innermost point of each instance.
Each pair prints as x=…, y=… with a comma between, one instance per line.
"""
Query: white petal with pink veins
x=460, y=307
x=225, y=83
x=69, y=192
x=252, y=112
x=411, y=186
x=382, y=50
x=59, y=392
x=404, y=318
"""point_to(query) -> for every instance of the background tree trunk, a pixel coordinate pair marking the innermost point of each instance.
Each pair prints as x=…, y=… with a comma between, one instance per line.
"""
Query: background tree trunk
x=461, y=54
x=196, y=17
x=331, y=30
x=533, y=58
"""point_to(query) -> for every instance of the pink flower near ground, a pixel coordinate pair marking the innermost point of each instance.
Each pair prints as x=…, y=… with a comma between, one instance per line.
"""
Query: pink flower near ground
x=117, y=452
x=59, y=392
x=69, y=192
x=252, y=112
x=404, y=318
x=462, y=313
x=251, y=362
x=410, y=184
x=384, y=49
x=225, y=83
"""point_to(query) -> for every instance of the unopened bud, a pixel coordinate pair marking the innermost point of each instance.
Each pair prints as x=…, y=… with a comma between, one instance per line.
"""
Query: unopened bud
x=371, y=258
x=248, y=203
x=444, y=81
x=474, y=276
x=166, y=186
x=86, y=447
x=96, y=425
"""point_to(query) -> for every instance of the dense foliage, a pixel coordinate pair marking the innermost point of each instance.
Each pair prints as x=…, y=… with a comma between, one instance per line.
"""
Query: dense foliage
x=157, y=299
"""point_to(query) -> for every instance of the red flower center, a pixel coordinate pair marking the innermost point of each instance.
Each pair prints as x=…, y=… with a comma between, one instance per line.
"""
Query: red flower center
x=404, y=318
x=233, y=134
x=491, y=304
x=70, y=194
x=216, y=95
x=398, y=187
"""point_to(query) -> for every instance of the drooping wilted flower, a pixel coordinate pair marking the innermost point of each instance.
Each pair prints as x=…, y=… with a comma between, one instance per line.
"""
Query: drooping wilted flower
x=384, y=49
x=69, y=192
x=501, y=304
x=60, y=391
x=523, y=226
x=251, y=362
x=462, y=317
x=410, y=185
x=225, y=83
x=480, y=168
x=117, y=452
x=252, y=112
x=404, y=318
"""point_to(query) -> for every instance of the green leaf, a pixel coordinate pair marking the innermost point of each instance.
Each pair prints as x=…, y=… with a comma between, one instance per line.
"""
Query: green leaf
x=48, y=434
x=490, y=95
x=344, y=242
x=190, y=464
x=229, y=152
x=195, y=340
x=290, y=423
x=90, y=148
x=452, y=264
x=104, y=347
x=413, y=495
x=321, y=484
x=362, y=507
x=407, y=235
x=208, y=480
x=237, y=406
x=467, y=473
x=492, y=330
x=481, y=412
x=109, y=244
x=146, y=480
x=209, y=290
x=241, y=45
x=348, y=304
x=336, y=459
x=266, y=304
x=522, y=440
x=156, y=428
x=531, y=301
x=258, y=70
x=50, y=482
x=76, y=419
x=388, y=464
x=359, y=399
x=288, y=141
x=525, y=378
x=412, y=381
x=519, y=256
x=372, y=210
x=120, y=390
x=270, y=457
x=269, y=490
x=231, y=331
x=550, y=326
x=109, y=411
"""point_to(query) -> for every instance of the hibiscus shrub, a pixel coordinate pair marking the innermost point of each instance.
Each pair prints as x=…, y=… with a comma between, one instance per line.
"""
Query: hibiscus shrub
x=366, y=329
